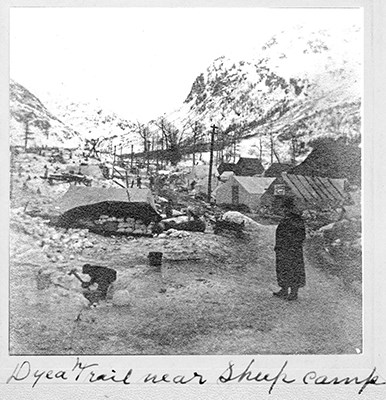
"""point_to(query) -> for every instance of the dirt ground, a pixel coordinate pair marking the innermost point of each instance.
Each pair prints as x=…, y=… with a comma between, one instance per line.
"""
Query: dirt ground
x=221, y=304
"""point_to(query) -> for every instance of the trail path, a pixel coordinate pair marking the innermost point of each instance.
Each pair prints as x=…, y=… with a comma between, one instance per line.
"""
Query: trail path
x=220, y=306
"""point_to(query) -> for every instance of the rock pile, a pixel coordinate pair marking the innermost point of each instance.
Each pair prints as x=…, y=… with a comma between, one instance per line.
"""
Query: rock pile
x=345, y=233
x=124, y=225
x=57, y=244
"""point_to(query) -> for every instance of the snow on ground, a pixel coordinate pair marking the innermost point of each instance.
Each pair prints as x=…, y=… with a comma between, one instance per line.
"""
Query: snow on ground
x=213, y=294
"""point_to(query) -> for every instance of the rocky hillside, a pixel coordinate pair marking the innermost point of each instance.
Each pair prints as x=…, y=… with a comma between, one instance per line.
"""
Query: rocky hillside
x=301, y=86
x=31, y=124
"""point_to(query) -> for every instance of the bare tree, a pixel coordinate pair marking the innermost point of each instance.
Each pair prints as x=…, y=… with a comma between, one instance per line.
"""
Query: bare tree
x=172, y=139
x=28, y=121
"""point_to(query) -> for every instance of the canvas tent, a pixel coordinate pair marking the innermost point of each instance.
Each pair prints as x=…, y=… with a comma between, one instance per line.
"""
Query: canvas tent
x=309, y=192
x=243, y=190
x=200, y=174
x=91, y=202
x=225, y=176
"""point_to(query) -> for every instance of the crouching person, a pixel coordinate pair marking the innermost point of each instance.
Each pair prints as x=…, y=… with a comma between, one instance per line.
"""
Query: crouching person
x=103, y=277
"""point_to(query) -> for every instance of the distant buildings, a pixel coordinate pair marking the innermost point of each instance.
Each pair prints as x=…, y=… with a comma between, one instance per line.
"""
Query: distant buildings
x=320, y=181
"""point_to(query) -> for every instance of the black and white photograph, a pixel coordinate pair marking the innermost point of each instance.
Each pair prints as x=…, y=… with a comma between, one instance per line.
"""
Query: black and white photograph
x=185, y=181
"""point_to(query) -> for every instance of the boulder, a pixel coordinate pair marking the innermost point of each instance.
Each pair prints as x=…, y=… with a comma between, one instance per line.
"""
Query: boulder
x=121, y=298
x=239, y=218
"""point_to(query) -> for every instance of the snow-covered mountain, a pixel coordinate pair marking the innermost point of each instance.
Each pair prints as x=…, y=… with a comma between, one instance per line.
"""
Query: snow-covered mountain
x=93, y=121
x=31, y=124
x=302, y=85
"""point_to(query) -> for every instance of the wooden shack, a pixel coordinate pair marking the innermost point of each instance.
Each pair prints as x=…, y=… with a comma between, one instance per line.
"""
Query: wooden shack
x=310, y=192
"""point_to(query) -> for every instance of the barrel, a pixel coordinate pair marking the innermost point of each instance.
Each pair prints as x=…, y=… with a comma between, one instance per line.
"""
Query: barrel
x=155, y=258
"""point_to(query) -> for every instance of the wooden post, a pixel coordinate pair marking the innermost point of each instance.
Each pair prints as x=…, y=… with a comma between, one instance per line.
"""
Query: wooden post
x=214, y=127
x=234, y=147
x=148, y=156
x=26, y=134
x=127, y=179
x=162, y=150
x=115, y=154
x=194, y=143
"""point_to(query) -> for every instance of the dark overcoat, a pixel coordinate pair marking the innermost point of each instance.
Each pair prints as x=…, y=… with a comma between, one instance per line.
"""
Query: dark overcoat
x=290, y=235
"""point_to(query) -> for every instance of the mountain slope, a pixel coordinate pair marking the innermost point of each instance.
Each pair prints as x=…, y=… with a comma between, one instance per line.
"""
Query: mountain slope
x=31, y=124
x=301, y=86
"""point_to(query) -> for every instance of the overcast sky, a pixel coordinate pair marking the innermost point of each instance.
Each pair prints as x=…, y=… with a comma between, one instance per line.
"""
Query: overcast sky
x=141, y=62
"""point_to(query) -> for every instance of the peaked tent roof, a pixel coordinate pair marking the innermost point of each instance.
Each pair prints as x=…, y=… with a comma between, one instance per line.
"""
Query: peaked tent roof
x=254, y=184
x=316, y=189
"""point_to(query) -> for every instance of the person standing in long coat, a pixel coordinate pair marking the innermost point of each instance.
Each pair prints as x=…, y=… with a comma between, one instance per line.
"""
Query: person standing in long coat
x=290, y=235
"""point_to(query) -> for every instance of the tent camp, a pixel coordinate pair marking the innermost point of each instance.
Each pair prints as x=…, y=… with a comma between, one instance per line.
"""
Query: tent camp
x=89, y=203
x=309, y=192
x=242, y=190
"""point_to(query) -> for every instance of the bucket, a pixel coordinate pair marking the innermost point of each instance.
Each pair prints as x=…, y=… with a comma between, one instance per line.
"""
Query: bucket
x=155, y=259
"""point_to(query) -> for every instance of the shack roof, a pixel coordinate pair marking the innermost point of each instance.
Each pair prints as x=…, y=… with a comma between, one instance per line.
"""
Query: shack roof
x=315, y=188
x=332, y=160
x=225, y=167
x=249, y=166
x=276, y=169
x=254, y=184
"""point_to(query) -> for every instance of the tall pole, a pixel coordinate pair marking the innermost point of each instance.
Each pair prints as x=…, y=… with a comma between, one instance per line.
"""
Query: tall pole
x=194, y=143
x=162, y=151
x=293, y=158
x=26, y=135
x=157, y=151
x=132, y=157
x=115, y=154
x=214, y=127
x=234, y=147
x=148, y=156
